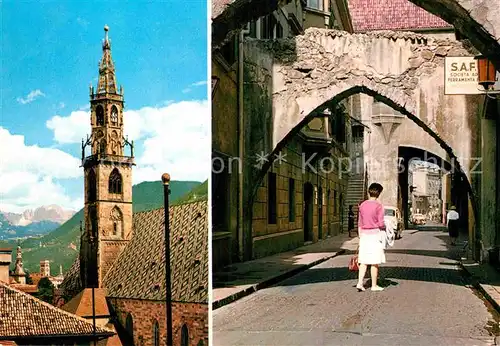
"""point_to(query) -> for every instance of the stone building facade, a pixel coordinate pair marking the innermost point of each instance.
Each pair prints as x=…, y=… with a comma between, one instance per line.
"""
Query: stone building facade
x=478, y=24
x=296, y=202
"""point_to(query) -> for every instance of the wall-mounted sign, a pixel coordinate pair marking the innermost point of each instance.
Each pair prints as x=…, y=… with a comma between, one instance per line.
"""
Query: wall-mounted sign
x=460, y=74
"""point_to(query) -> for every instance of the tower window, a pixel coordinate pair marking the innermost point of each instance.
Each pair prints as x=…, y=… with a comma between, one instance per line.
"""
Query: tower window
x=91, y=186
x=99, y=113
x=156, y=334
x=114, y=115
x=115, y=182
x=117, y=218
x=184, y=336
x=129, y=326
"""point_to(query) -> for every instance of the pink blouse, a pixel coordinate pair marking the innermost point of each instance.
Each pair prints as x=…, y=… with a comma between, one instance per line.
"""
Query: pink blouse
x=371, y=217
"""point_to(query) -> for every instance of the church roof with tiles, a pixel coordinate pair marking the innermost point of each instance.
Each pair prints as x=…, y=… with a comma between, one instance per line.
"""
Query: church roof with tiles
x=139, y=272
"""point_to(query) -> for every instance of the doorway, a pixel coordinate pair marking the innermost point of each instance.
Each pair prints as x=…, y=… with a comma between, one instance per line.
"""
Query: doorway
x=308, y=211
x=320, y=213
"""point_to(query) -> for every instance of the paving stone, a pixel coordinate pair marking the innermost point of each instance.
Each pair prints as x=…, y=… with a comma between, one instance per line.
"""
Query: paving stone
x=428, y=300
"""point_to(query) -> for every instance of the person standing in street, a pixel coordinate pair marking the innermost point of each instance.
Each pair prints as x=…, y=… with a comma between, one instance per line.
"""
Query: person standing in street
x=371, y=248
x=452, y=221
x=350, y=221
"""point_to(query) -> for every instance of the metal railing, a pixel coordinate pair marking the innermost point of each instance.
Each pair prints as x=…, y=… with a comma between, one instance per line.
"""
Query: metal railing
x=108, y=157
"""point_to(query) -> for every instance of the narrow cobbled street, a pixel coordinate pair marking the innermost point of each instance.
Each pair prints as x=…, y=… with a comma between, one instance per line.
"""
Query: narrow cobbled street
x=428, y=300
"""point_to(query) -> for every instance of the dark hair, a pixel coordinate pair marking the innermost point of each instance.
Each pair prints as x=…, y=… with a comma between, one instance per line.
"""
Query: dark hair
x=375, y=190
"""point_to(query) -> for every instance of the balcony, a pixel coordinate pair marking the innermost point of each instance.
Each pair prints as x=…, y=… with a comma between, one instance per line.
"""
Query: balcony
x=107, y=158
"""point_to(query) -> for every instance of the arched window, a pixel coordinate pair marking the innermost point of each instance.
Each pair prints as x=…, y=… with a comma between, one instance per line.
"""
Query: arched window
x=91, y=186
x=114, y=115
x=117, y=218
x=115, y=182
x=99, y=113
x=184, y=336
x=156, y=334
x=129, y=326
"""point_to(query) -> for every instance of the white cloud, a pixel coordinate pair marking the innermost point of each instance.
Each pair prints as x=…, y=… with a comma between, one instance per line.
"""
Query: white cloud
x=82, y=22
x=200, y=83
x=29, y=171
x=32, y=96
x=195, y=84
x=70, y=129
x=175, y=138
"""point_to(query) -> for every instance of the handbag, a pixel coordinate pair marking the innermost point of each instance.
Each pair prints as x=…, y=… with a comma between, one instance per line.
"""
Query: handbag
x=353, y=262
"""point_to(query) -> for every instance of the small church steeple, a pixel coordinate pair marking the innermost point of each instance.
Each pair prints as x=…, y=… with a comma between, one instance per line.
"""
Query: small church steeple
x=19, y=274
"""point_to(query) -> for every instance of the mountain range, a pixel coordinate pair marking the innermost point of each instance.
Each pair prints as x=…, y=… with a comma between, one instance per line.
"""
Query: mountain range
x=32, y=222
x=53, y=213
x=61, y=245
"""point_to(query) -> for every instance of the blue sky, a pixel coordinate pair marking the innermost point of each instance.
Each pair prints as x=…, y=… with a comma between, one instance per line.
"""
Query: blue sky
x=51, y=51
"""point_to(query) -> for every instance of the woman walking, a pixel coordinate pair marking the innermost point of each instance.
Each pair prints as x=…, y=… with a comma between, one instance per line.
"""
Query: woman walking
x=453, y=224
x=370, y=225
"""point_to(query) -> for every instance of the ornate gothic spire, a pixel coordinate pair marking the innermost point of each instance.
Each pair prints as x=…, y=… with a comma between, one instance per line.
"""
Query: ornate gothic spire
x=107, y=79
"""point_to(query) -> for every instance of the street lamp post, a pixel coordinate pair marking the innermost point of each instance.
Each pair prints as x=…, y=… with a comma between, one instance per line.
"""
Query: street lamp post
x=166, y=191
x=92, y=245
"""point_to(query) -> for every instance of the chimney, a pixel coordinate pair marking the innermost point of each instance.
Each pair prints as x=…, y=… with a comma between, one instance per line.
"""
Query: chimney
x=45, y=268
x=5, y=260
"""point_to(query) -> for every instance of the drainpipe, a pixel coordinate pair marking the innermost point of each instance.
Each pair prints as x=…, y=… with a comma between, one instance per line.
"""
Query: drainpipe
x=241, y=131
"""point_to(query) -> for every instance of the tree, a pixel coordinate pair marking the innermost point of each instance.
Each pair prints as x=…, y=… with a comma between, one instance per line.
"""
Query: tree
x=46, y=290
x=29, y=280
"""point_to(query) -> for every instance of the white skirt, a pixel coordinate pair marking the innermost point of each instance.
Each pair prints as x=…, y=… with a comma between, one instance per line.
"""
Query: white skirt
x=371, y=249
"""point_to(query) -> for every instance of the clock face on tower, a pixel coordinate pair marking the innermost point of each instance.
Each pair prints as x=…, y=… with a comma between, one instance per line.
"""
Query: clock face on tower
x=114, y=115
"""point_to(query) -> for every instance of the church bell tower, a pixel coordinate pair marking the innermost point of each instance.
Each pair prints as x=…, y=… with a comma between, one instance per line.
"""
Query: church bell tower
x=107, y=177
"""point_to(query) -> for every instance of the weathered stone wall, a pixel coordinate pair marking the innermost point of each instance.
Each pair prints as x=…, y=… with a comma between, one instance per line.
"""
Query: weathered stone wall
x=225, y=141
x=478, y=20
x=145, y=313
x=402, y=69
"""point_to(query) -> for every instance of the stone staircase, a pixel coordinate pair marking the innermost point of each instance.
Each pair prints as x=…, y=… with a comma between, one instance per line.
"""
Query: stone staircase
x=354, y=195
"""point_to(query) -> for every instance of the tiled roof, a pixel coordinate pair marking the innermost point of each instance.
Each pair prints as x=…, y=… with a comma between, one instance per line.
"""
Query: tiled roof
x=141, y=265
x=22, y=315
x=139, y=272
x=81, y=305
x=218, y=6
x=392, y=15
x=72, y=284
x=25, y=288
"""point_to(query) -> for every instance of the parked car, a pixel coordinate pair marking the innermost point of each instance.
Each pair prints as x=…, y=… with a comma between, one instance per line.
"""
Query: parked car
x=393, y=214
x=419, y=219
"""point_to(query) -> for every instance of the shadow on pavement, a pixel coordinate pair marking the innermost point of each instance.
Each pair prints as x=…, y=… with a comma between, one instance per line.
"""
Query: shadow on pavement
x=388, y=276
